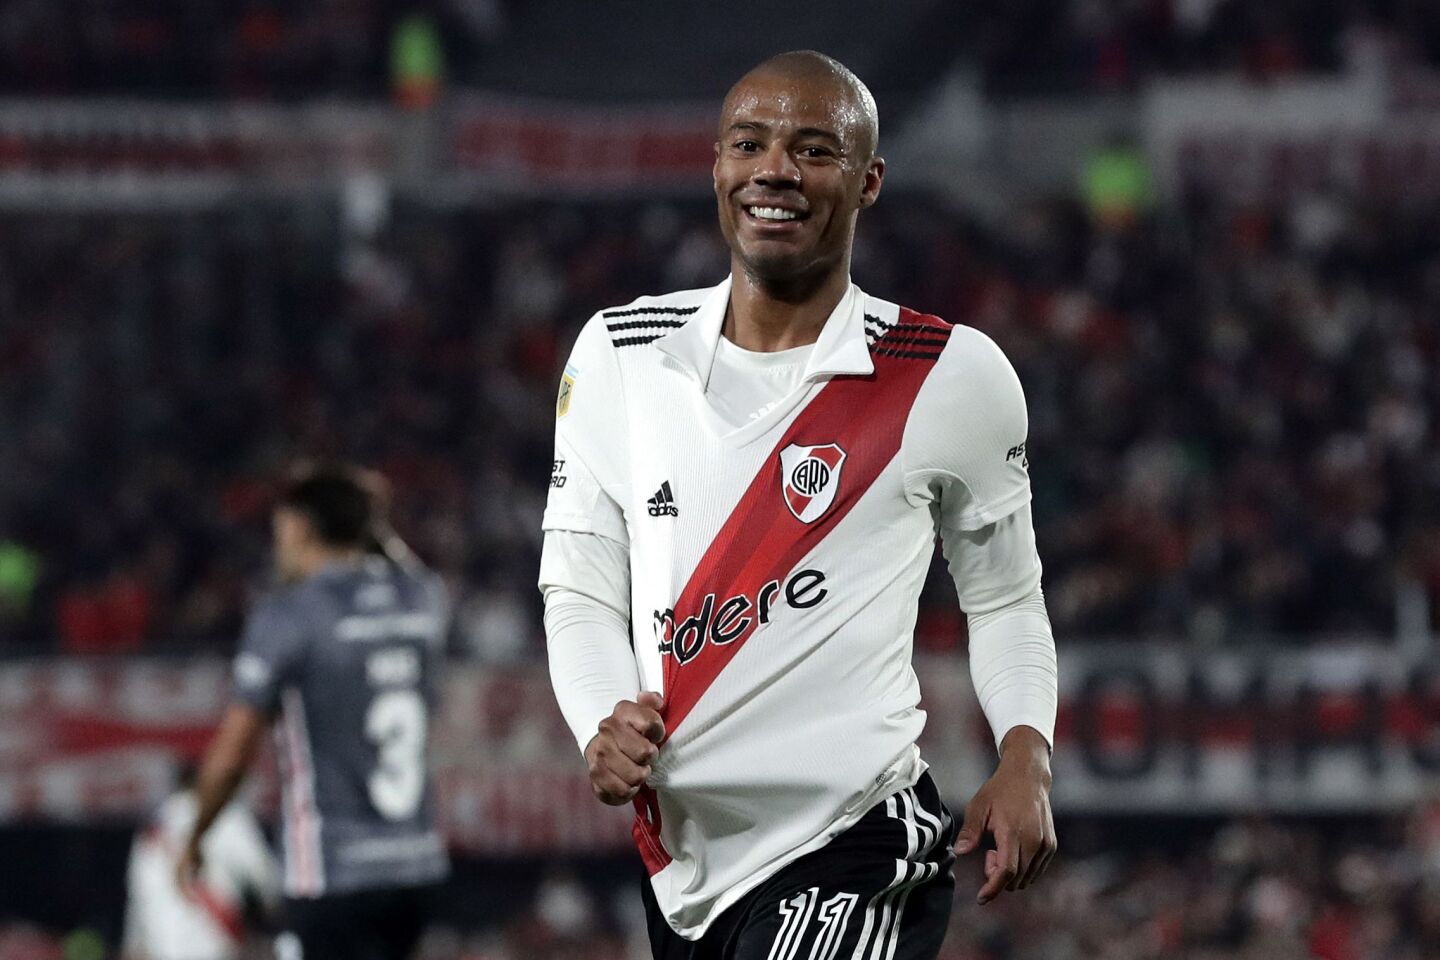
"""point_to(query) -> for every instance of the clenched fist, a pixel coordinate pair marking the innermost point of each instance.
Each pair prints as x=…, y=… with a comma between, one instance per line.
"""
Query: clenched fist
x=620, y=755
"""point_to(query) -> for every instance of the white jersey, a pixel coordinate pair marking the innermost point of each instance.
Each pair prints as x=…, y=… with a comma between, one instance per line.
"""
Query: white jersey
x=776, y=563
x=161, y=922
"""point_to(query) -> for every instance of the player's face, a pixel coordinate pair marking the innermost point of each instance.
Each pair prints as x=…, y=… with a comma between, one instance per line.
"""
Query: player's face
x=792, y=170
x=292, y=537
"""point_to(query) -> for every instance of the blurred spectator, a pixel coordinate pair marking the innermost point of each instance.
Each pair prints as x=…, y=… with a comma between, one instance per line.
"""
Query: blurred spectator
x=20, y=941
x=1116, y=183
x=19, y=573
x=108, y=617
x=417, y=62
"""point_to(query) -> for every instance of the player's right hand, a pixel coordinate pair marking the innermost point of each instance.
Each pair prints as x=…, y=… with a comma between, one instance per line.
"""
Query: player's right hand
x=620, y=755
x=187, y=868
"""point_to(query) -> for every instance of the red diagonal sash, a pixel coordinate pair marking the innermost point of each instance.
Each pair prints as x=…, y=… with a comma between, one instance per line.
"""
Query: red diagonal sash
x=762, y=540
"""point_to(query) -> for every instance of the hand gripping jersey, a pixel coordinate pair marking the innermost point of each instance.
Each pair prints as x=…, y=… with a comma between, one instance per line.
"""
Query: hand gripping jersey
x=775, y=567
x=348, y=660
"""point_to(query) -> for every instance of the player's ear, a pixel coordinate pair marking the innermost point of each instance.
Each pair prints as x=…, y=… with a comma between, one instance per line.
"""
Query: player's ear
x=874, y=177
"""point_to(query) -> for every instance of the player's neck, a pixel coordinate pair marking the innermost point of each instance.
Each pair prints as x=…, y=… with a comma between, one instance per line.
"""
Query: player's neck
x=765, y=316
x=322, y=558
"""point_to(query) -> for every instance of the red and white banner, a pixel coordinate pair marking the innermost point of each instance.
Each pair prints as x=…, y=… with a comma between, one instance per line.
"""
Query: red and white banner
x=1360, y=136
x=87, y=741
x=154, y=154
x=1325, y=728
x=1142, y=728
x=589, y=148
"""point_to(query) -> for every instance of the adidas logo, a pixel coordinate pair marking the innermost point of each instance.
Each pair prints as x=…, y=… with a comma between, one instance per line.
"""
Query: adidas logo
x=663, y=503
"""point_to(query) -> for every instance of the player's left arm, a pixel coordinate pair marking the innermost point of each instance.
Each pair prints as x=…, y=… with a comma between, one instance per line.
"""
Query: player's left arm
x=965, y=453
x=1013, y=668
x=272, y=650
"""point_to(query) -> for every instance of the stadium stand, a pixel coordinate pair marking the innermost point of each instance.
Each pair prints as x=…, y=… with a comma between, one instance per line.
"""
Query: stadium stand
x=260, y=49
x=1230, y=407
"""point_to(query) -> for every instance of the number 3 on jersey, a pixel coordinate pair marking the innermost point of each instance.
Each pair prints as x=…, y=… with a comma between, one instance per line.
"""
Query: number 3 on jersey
x=396, y=724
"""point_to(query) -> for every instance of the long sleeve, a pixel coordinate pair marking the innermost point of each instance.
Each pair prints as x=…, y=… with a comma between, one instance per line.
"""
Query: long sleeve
x=586, y=581
x=591, y=665
x=1013, y=667
x=970, y=456
x=1012, y=649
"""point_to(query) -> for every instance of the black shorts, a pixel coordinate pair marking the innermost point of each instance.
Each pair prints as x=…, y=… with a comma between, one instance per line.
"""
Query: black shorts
x=882, y=889
x=365, y=925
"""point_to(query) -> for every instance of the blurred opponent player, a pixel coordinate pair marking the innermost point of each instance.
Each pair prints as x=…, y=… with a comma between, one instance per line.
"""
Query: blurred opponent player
x=343, y=660
x=752, y=477
x=206, y=921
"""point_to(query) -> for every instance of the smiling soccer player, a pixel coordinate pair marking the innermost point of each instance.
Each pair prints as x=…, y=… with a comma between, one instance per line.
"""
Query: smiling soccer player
x=747, y=485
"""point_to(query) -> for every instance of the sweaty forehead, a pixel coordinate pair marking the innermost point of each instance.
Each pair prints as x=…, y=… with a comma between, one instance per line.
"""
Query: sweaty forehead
x=789, y=101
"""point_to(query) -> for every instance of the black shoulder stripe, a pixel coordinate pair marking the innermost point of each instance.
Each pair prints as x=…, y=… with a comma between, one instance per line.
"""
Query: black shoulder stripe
x=636, y=341
x=877, y=330
x=636, y=311
x=907, y=341
x=636, y=324
x=907, y=354
x=914, y=339
x=930, y=328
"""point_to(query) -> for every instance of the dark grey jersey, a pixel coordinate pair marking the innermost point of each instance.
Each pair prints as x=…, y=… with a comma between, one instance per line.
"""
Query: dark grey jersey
x=346, y=662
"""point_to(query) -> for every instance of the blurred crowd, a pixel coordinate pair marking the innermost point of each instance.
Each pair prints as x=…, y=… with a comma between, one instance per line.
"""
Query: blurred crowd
x=1233, y=410
x=1247, y=890
x=262, y=48
x=228, y=48
x=1050, y=46
x=1254, y=890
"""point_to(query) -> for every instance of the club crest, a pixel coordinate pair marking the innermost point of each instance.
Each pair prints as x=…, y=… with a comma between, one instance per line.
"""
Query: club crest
x=809, y=477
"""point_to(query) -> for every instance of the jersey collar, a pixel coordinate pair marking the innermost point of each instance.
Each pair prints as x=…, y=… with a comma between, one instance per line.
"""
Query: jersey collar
x=841, y=348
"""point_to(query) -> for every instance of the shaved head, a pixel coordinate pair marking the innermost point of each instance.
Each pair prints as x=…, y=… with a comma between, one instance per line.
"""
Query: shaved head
x=812, y=67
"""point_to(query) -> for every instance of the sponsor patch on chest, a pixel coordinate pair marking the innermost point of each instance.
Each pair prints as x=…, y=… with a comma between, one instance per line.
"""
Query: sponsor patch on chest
x=809, y=477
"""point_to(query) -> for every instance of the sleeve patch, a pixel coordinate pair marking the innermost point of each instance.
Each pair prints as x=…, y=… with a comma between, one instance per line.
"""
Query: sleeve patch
x=567, y=390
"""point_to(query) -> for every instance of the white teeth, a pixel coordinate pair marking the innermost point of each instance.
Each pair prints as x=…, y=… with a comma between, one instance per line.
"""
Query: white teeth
x=772, y=213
